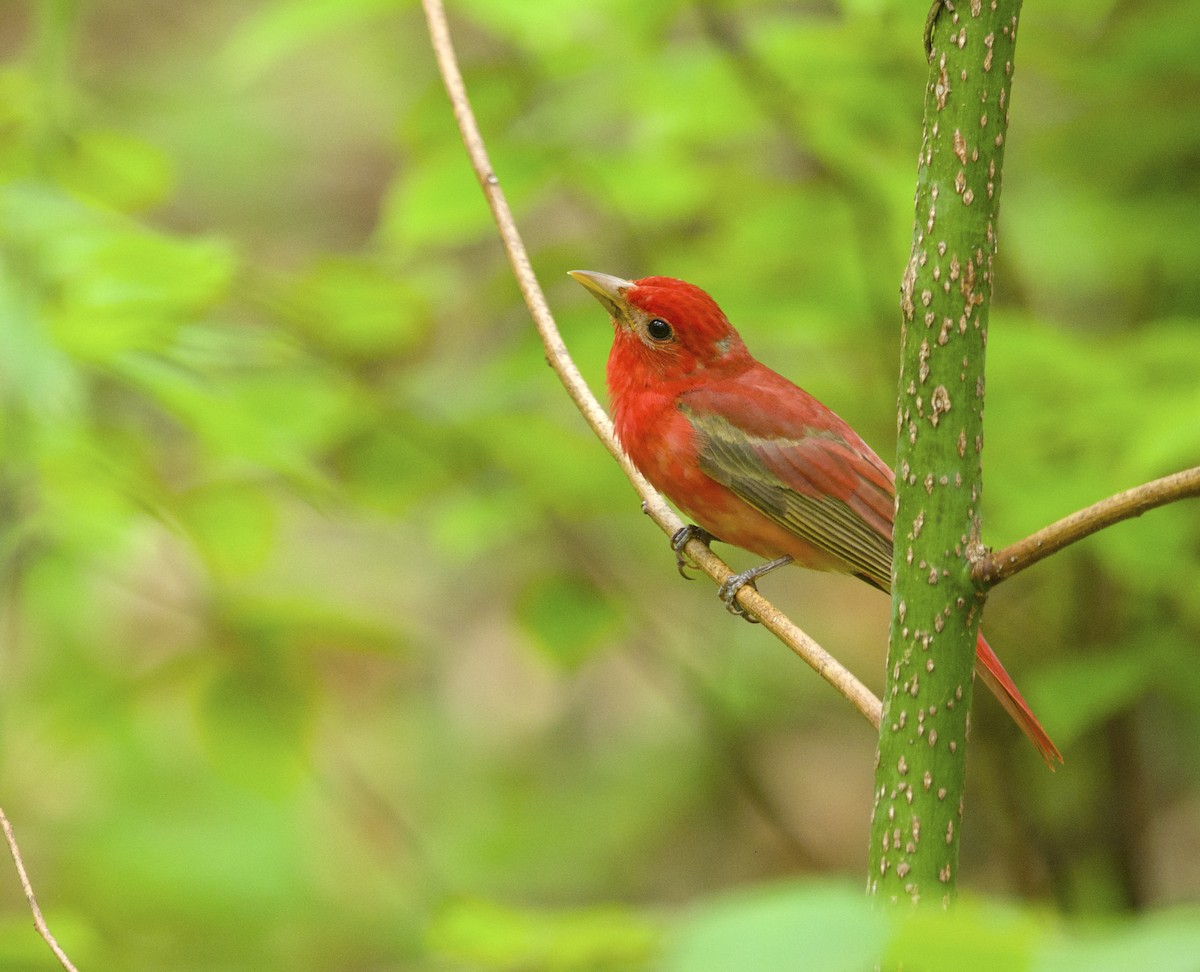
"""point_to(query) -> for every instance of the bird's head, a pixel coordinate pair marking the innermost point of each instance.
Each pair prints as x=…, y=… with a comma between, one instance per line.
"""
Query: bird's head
x=664, y=326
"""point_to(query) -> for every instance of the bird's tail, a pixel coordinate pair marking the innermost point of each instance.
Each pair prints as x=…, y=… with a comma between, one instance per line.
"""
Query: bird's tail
x=988, y=667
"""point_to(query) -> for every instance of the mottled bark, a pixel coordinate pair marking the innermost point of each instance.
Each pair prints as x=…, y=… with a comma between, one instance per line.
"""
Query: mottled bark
x=945, y=293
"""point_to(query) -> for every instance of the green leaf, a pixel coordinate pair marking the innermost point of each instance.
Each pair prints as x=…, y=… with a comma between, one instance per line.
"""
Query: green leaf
x=1167, y=941
x=276, y=418
x=130, y=269
x=256, y=717
x=436, y=202
x=491, y=936
x=559, y=463
x=98, y=261
x=98, y=284
x=975, y=934
x=356, y=310
x=275, y=31
x=815, y=927
x=86, y=503
x=1074, y=697
x=466, y=522
x=116, y=170
x=394, y=463
x=233, y=526
x=568, y=617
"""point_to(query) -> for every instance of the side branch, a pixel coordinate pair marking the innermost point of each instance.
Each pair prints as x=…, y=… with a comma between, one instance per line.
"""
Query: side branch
x=38, y=921
x=989, y=569
x=560, y=360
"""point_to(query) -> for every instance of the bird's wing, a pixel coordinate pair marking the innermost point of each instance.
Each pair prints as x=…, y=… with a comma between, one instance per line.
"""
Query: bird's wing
x=801, y=466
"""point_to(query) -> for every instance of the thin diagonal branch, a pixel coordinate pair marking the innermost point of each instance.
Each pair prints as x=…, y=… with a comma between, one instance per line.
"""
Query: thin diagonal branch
x=559, y=358
x=990, y=569
x=38, y=921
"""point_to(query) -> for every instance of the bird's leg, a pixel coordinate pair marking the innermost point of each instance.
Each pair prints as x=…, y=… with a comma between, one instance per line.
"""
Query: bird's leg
x=679, y=540
x=727, y=592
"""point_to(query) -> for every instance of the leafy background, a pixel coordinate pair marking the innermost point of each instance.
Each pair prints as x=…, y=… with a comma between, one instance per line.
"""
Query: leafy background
x=330, y=638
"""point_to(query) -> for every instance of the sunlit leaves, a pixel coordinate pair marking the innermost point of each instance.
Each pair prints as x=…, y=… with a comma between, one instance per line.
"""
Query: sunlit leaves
x=97, y=285
x=268, y=418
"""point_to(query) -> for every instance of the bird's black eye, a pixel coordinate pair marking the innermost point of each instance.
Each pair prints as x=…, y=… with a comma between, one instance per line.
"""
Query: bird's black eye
x=658, y=329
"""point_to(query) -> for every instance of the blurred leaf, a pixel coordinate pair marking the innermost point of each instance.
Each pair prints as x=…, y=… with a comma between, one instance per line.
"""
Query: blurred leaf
x=116, y=170
x=279, y=30
x=125, y=269
x=817, y=927
x=435, y=202
x=103, y=261
x=465, y=523
x=256, y=718
x=34, y=373
x=551, y=24
x=395, y=464
x=1167, y=941
x=975, y=934
x=85, y=501
x=304, y=625
x=21, y=115
x=233, y=525
x=354, y=309
x=562, y=466
x=1077, y=696
x=104, y=284
x=490, y=936
x=507, y=823
x=568, y=617
x=273, y=419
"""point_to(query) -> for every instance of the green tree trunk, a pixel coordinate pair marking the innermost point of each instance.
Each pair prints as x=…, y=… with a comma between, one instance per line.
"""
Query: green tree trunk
x=945, y=295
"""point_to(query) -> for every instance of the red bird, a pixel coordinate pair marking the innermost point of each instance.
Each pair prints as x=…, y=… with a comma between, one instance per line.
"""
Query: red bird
x=753, y=459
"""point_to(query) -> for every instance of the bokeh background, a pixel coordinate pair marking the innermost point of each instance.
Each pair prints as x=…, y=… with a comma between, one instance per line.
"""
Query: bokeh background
x=330, y=638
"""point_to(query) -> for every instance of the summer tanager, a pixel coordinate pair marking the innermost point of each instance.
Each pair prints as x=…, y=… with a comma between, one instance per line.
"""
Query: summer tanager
x=753, y=459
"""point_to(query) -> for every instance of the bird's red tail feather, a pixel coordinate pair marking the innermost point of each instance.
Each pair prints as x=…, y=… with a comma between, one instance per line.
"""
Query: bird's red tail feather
x=988, y=667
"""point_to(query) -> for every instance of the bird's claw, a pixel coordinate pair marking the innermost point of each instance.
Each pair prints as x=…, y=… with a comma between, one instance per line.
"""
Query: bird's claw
x=680, y=539
x=729, y=588
x=728, y=592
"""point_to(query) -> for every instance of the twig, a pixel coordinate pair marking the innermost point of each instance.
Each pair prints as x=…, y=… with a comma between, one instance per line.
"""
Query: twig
x=560, y=360
x=930, y=20
x=990, y=569
x=38, y=921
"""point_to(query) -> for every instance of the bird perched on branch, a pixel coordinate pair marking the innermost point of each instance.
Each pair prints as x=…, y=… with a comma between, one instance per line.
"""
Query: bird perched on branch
x=753, y=459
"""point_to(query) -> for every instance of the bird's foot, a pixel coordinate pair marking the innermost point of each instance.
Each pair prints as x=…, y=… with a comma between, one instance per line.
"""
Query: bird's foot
x=680, y=539
x=728, y=590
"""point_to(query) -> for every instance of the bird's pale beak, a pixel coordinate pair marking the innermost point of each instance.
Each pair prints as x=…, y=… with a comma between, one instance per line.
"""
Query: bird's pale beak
x=607, y=289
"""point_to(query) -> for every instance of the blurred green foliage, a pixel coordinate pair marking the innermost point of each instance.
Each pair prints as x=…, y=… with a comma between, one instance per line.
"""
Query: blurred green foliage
x=332, y=641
